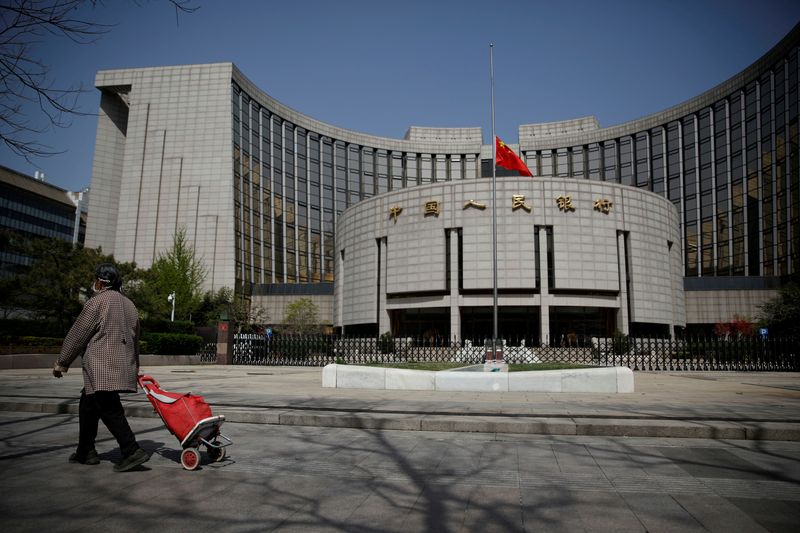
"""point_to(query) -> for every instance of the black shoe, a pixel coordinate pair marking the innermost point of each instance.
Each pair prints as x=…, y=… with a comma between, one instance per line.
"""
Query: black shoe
x=132, y=461
x=90, y=459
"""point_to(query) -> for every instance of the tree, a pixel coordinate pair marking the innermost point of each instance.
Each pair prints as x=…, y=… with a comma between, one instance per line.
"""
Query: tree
x=59, y=278
x=782, y=314
x=242, y=315
x=737, y=328
x=30, y=101
x=301, y=317
x=213, y=307
x=177, y=271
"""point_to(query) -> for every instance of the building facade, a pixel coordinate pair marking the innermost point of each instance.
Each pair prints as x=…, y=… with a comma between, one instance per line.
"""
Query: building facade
x=260, y=188
x=574, y=261
x=33, y=208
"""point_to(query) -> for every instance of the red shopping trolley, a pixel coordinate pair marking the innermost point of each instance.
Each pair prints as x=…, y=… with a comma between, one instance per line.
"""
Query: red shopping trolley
x=189, y=418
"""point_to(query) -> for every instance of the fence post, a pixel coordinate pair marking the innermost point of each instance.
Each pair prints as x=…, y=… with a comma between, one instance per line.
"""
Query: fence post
x=224, y=343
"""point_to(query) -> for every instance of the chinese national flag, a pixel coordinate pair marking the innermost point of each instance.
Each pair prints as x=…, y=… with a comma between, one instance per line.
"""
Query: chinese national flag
x=506, y=158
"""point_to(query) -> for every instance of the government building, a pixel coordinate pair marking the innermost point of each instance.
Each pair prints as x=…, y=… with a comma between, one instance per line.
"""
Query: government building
x=672, y=222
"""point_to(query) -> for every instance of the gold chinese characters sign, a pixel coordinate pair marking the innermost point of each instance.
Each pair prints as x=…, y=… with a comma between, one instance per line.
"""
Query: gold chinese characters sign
x=394, y=212
x=564, y=203
x=432, y=208
x=603, y=205
x=518, y=201
x=473, y=203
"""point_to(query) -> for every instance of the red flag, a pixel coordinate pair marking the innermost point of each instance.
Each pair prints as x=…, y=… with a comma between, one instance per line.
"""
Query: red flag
x=506, y=158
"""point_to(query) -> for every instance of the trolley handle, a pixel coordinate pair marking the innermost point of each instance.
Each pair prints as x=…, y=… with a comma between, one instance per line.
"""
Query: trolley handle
x=144, y=379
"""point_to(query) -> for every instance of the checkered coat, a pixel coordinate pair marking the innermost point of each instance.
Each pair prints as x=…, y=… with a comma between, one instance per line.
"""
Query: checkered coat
x=106, y=333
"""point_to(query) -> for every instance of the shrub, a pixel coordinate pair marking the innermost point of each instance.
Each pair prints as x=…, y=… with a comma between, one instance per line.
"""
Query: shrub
x=31, y=341
x=160, y=325
x=172, y=343
x=39, y=328
x=386, y=343
x=620, y=344
x=27, y=344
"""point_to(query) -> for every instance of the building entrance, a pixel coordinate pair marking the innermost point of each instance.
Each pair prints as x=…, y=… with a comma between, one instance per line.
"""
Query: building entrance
x=575, y=326
x=514, y=324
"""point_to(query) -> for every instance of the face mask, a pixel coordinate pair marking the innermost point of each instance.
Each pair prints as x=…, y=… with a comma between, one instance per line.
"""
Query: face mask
x=104, y=285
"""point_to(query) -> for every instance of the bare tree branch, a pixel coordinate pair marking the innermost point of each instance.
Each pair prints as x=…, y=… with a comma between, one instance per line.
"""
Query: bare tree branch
x=30, y=101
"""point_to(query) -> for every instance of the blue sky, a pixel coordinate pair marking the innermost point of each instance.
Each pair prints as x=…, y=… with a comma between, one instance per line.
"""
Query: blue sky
x=379, y=67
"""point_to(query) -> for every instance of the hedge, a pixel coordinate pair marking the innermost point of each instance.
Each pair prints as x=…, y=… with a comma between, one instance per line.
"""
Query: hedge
x=40, y=328
x=160, y=325
x=170, y=343
x=27, y=340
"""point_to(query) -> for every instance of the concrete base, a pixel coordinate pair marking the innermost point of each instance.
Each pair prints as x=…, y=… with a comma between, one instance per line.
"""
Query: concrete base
x=603, y=380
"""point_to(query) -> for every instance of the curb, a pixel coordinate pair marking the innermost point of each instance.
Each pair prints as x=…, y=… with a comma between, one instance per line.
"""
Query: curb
x=527, y=425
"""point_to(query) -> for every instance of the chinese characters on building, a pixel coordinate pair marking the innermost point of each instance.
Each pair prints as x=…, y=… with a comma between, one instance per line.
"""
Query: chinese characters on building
x=394, y=212
x=473, y=203
x=432, y=208
x=564, y=203
x=518, y=201
x=603, y=205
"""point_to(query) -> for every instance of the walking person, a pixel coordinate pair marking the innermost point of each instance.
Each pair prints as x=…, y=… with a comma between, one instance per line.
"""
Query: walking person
x=106, y=334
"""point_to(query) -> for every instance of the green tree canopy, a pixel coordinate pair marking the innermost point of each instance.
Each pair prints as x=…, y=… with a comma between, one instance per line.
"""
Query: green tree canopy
x=177, y=270
x=782, y=314
x=302, y=317
x=59, y=274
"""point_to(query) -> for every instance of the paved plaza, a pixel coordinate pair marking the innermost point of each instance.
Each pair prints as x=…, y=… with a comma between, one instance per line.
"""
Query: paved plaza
x=292, y=469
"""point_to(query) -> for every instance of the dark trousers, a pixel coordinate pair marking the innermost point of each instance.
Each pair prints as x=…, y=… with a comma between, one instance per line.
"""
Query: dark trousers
x=105, y=406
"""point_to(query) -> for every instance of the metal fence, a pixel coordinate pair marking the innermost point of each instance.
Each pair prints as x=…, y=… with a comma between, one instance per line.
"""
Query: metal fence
x=743, y=354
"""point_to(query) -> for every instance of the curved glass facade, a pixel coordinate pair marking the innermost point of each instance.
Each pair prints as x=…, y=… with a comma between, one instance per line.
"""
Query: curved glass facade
x=731, y=167
x=291, y=183
x=728, y=160
x=259, y=186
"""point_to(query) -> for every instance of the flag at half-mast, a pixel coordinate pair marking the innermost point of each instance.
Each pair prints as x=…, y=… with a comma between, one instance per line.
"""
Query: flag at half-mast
x=506, y=158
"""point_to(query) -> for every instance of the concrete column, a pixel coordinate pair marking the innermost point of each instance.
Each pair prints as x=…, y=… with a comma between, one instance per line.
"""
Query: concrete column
x=383, y=315
x=622, y=312
x=455, y=310
x=544, y=293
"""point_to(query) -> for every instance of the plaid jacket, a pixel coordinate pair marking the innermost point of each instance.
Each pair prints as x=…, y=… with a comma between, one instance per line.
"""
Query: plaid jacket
x=106, y=333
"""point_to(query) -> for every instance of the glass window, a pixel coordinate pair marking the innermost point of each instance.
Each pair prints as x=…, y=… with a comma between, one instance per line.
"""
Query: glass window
x=642, y=143
x=456, y=167
x=440, y=168
x=610, y=161
x=595, y=162
x=473, y=166
x=426, y=168
x=578, y=161
x=626, y=161
x=412, y=169
x=562, y=162
x=546, y=163
x=382, y=171
x=397, y=170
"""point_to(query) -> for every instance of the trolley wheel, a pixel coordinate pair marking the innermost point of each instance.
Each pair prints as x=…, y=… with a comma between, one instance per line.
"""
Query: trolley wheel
x=216, y=454
x=190, y=458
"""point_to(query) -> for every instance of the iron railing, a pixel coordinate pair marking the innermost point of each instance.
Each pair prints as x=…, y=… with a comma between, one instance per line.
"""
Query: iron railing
x=742, y=354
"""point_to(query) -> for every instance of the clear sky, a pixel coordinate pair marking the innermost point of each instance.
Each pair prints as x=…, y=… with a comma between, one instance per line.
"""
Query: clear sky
x=379, y=67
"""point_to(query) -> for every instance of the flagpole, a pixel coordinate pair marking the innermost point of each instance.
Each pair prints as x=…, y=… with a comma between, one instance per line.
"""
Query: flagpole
x=494, y=211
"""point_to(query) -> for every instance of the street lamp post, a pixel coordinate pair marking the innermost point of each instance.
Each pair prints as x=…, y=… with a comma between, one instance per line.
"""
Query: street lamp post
x=171, y=298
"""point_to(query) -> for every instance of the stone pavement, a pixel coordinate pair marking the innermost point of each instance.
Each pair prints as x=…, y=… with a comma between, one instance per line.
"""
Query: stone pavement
x=451, y=461
x=717, y=405
x=310, y=479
